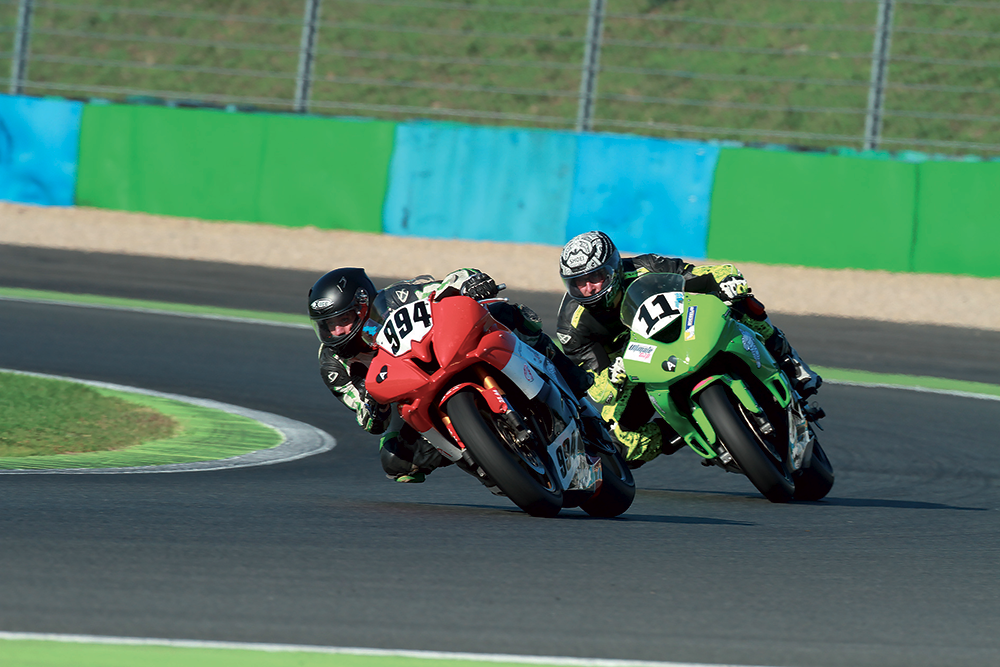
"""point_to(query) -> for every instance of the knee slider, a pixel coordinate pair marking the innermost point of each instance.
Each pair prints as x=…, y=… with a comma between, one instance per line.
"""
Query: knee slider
x=391, y=455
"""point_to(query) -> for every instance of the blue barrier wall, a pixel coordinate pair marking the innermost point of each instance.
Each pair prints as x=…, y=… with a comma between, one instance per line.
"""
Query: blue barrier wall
x=532, y=186
x=649, y=195
x=479, y=183
x=39, y=143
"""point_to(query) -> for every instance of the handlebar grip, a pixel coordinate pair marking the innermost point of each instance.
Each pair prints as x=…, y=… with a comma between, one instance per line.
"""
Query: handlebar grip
x=501, y=287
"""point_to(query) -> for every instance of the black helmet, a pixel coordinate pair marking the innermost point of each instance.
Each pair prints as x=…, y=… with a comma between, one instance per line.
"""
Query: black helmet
x=594, y=254
x=339, y=293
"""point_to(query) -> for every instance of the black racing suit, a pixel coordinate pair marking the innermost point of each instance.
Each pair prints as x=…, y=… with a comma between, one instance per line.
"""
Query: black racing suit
x=594, y=336
x=403, y=451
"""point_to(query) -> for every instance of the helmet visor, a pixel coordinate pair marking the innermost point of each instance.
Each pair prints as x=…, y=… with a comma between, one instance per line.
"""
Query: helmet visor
x=589, y=286
x=337, y=328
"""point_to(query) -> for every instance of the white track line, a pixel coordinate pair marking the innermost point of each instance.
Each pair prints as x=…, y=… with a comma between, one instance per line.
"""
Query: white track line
x=925, y=390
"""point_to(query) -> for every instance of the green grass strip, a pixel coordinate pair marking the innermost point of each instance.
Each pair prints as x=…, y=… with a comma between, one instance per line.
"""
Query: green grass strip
x=206, y=435
x=47, y=653
x=18, y=293
x=910, y=381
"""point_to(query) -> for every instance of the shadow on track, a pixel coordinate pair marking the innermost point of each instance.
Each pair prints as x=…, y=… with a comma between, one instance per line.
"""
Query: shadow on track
x=898, y=504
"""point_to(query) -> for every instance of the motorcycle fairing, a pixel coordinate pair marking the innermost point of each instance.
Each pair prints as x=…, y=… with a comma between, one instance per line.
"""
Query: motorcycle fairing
x=542, y=364
x=671, y=362
x=519, y=368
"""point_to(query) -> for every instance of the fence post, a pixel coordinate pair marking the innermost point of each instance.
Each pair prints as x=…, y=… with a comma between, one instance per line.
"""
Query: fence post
x=591, y=66
x=880, y=72
x=307, y=53
x=19, y=63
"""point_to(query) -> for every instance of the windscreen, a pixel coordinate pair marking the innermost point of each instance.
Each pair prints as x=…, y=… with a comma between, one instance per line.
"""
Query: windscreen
x=652, y=302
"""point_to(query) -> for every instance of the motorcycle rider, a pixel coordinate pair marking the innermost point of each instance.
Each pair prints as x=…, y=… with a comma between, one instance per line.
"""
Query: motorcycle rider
x=593, y=335
x=342, y=305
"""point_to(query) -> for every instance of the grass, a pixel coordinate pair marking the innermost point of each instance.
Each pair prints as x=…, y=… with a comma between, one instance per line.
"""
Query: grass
x=726, y=69
x=41, y=417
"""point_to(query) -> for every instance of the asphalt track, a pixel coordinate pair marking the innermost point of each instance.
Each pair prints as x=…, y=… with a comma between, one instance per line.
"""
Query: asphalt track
x=898, y=566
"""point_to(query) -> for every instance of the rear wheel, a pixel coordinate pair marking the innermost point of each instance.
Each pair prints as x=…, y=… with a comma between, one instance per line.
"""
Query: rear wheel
x=761, y=466
x=617, y=488
x=517, y=470
x=815, y=481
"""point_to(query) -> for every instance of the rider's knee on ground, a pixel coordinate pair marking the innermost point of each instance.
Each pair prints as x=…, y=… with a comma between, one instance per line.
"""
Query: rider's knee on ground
x=395, y=456
x=406, y=452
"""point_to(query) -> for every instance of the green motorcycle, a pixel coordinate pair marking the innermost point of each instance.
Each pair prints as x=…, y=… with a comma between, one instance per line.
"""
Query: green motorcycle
x=714, y=382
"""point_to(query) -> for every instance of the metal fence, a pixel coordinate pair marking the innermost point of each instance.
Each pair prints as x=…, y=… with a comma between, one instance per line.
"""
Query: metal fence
x=875, y=74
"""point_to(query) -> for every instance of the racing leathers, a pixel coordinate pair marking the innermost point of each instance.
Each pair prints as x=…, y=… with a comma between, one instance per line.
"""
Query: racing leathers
x=405, y=456
x=594, y=338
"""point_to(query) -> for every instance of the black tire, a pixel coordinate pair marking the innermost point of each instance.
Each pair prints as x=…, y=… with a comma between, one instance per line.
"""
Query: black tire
x=535, y=493
x=815, y=481
x=617, y=488
x=760, y=467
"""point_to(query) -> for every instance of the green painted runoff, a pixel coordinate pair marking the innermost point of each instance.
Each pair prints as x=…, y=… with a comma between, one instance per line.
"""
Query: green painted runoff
x=206, y=434
x=41, y=653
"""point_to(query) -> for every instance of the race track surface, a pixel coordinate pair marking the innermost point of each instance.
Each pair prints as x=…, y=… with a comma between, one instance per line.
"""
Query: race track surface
x=898, y=566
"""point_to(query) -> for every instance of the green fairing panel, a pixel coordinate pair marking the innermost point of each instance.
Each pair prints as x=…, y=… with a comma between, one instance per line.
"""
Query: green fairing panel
x=706, y=330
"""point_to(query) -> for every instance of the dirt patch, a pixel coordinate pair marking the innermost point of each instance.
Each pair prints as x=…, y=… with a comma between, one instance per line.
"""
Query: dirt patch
x=879, y=295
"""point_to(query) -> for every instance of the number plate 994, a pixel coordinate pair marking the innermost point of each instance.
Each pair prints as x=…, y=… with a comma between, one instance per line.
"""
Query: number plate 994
x=404, y=327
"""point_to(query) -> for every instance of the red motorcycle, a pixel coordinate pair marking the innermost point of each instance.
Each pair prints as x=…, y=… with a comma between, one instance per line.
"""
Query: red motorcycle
x=495, y=407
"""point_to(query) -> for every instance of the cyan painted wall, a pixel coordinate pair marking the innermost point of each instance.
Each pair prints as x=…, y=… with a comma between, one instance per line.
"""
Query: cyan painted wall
x=650, y=195
x=533, y=186
x=480, y=183
x=39, y=144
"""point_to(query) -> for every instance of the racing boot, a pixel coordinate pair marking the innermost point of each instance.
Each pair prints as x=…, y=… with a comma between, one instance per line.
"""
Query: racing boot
x=804, y=380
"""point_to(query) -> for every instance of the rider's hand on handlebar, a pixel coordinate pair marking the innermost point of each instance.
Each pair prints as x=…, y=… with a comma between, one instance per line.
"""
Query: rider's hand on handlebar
x=373, y=416
x=617, y=374
x=480, y=286
x=608, y=383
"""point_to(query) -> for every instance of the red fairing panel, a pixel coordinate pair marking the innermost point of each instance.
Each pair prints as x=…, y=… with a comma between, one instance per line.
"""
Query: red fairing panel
x=463, y=334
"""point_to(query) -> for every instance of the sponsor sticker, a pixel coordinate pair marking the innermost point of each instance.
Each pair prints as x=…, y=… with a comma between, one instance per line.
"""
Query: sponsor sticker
x=527, y=373
x=321, y=304
x=640, y=352
x=750, y=345
x=670, y=365
x=692, y=312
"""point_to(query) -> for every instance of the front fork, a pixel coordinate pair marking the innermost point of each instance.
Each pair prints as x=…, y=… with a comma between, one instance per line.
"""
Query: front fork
x=694, y=426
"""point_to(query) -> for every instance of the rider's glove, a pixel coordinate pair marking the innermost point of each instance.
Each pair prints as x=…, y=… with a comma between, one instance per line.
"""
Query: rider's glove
x=480, y=286
x=617, y=373
x=373, y=416
x=609, y=382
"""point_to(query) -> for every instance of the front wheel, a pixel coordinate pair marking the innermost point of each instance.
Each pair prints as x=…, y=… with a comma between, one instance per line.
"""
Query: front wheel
x=517, y=470
x=763, y=470
x=617, y=488
x=816, y=480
